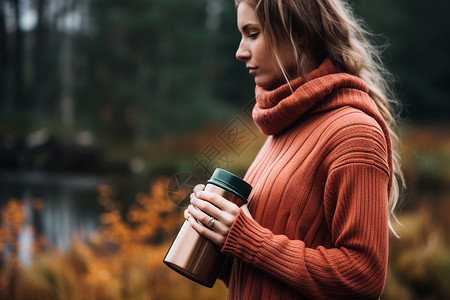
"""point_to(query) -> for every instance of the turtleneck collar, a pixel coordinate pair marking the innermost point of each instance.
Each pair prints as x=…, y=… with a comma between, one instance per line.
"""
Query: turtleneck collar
x=277, y=109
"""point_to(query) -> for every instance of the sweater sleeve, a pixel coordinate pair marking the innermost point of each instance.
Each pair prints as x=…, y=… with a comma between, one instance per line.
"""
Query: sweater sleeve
x=355, y=203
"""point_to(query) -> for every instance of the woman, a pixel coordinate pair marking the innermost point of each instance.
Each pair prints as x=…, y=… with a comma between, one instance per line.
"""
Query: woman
x=316, y=225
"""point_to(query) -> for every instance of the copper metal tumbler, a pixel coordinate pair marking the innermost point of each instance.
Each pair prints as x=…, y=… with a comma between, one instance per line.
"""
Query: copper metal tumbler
x=193, y=255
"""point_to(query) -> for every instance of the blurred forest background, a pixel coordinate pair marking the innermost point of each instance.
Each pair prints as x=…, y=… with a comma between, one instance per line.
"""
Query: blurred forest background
x=111, y=110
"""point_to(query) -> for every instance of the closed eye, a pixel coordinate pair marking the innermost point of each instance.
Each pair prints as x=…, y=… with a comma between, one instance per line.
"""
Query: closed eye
x=254, y=35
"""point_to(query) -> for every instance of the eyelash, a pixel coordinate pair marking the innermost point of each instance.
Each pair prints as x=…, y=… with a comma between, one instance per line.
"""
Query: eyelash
x=253, y=35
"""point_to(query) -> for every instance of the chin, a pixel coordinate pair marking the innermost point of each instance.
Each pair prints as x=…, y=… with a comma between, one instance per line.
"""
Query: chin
x=264, y=84
x=267, y=84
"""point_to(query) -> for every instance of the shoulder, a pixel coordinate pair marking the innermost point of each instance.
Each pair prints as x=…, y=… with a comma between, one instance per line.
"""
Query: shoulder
x=352, y=136
x=350, y=116
x=348, y=122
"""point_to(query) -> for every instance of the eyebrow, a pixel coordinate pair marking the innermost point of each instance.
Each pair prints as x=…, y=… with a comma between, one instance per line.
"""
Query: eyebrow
x=246, y=26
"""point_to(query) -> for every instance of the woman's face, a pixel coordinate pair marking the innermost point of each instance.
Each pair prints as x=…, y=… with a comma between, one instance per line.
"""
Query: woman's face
x=258, y=57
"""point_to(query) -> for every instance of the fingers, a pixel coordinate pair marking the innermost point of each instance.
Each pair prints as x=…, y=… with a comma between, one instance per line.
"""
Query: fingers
x=187, y=214
x=206, y=205
x=199, y=188
x=219, y=201
x=226, y=212
x=216, y=237
x=205, y=219
x=200, y=218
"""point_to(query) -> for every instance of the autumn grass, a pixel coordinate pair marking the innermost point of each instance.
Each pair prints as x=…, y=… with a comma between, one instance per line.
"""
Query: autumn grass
x=419, y=262
x=123, y=260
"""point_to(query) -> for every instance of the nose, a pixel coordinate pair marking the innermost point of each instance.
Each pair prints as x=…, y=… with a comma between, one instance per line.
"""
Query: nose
x=242, y=53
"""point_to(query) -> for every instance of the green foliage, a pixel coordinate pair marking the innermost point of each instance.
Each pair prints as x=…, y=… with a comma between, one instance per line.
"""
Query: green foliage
x=147, y=66
x=137, y=72
x=416, y=34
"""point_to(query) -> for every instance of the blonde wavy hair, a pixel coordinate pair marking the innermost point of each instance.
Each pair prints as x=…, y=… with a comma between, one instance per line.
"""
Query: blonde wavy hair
x=319, y=29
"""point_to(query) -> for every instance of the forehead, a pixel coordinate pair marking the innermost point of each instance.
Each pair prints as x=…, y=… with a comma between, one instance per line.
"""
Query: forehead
x=246, y=15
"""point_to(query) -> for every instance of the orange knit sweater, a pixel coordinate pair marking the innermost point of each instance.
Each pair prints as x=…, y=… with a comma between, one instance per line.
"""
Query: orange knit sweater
x=320, y=195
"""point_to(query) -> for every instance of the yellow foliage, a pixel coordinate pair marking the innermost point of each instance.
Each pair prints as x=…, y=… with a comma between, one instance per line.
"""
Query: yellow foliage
x=419, y=262
x=123, y=260
x=12, y=218
x=152, y=217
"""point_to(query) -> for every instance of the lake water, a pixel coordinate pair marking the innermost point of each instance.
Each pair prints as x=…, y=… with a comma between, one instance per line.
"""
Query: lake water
x=70, y=205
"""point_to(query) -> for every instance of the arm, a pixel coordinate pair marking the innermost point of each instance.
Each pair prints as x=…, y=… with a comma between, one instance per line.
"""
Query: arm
x=354, y=267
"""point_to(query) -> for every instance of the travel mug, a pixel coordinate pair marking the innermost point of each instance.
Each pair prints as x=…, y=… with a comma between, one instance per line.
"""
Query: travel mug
x=193, y=255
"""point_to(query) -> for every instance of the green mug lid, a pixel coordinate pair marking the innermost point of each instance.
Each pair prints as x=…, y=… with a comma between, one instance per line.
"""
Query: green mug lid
x=231, y=183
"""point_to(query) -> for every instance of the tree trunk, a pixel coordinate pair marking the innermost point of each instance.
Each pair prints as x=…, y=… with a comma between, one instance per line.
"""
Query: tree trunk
x=67, y=108
x=18, y=59
x=3, y=56
x=38, y=80
x=67, y=57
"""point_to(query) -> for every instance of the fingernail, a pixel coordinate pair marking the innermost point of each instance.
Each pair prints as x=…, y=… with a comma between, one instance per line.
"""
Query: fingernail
x=197, y=194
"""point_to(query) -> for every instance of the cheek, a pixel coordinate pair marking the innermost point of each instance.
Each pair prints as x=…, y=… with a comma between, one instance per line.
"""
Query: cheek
x=260, y=51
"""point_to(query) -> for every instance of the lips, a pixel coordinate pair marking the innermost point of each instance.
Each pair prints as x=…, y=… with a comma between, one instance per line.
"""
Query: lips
x=251, y=70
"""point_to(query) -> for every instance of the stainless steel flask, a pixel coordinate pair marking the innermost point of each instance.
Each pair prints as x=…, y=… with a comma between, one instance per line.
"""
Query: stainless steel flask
x=193, y=255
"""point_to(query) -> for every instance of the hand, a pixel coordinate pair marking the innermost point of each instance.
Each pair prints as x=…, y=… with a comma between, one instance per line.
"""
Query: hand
x=206, y=205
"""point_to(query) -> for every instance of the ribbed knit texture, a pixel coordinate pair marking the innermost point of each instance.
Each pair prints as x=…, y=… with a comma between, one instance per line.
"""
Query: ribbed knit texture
x=320, y=195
